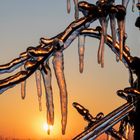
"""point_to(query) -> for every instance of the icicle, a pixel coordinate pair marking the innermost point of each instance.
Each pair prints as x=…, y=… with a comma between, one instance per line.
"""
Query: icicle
x=102, y=41
x=121, y=27
x=124, y=128
x=108, y=137
x=133, y=5
x=131, y=80
x=39, y=89
x=76, y=9
x=113, y=28
x=58, y=64
x=23, y=87
x=106, y=26
x=46, y=74
x=121, y=36
x=125, y=3
x=81, y=50
x=101, y=48
x=68, y=6
x=127, y=131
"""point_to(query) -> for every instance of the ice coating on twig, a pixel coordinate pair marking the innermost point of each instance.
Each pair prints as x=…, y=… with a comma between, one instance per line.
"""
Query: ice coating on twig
x=46, y=74
x=58, y=64
x=81, y=50
x=68, y=6
x=39, y=88
x=76, y=9
x=23, y=86
x=13, y=65
x=102, y=41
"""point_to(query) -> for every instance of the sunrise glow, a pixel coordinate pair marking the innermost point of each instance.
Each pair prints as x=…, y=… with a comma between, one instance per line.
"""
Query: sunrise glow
x=47, y=128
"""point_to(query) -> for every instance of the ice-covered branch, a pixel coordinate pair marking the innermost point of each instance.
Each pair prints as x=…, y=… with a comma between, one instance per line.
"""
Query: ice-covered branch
x=14, y=64
x=106, y=123
x=46, y=49
x=60, y=41
x=35, y=59
x=29, y=68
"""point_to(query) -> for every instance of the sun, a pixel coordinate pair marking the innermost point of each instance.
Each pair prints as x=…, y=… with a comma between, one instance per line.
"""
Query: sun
x=47, y=128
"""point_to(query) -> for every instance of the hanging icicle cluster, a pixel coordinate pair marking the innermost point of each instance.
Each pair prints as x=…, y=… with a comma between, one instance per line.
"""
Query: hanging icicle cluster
x=45, y=71
x=112, y=12
x=108, y=11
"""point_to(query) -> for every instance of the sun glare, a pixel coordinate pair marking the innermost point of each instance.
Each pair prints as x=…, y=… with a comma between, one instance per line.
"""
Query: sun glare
x=47, y=127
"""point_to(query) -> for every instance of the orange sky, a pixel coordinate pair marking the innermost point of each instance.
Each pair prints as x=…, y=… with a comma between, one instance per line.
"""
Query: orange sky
x=95, y=88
